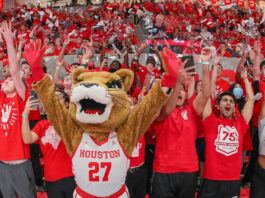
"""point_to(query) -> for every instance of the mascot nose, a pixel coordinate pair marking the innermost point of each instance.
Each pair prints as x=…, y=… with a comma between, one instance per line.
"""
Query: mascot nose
x=87, y=85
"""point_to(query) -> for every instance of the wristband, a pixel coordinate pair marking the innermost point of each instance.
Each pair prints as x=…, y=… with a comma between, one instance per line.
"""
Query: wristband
x=135, y=58
x=57, y=67
x=205, y=63
x=25, y=116
x=31, y=38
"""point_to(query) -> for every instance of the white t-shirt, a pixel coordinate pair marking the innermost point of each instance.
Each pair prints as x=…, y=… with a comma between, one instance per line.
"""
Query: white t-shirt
x=100, y=169
x=262, y=136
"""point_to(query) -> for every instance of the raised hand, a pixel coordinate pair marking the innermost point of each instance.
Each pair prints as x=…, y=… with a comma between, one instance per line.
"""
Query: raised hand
x=33, y=55
x=257, y=47
x=171, y=66
x=67, y=41
x=6, y=31
x=29, y=104
x=244, y=74
x=217, y=60
x=184, y=74
x=171, y=62
x=206, y=55
x=59, y=63
x=32, y=33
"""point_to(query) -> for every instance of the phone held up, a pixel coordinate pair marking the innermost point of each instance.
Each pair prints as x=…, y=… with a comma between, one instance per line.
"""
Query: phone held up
x=190, y=61
x=34, y=96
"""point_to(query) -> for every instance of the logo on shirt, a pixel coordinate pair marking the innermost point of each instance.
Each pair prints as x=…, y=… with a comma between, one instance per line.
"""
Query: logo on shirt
x=9, y=116
x=136, y=150
x=51, y=137
x=227, y=140
x=184, y=115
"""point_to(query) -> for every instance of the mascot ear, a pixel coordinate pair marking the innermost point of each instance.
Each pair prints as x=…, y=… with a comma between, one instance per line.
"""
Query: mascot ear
x=126, y=76
x=76, y=73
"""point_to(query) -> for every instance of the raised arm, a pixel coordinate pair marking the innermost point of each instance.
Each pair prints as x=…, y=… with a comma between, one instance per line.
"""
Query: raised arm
x=169, y=107
x=12, y=58
x=142, y=116
x=239, y=68
x=191, y=88
x=257, y=60
x=61, y=55
x=248, y=108
x=202, y=98
x=28, y=136
x=214, y=76
x=262, y=111
x=56, y=80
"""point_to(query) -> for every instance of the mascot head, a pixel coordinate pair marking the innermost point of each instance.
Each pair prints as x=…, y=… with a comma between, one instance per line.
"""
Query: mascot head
x=99, y=102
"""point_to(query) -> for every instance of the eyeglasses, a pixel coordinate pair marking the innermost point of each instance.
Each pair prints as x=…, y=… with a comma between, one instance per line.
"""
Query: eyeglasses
x=227, y=100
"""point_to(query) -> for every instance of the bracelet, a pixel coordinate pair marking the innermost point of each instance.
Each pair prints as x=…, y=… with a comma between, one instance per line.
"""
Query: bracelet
x=25, y=116
x=57, y=67
x=205, y=63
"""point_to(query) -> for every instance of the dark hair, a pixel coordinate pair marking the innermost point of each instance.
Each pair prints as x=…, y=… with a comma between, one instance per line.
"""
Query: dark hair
x=226, y=93
x=86, y=39
x=51, y=42
x=262, y=64
x=220, y=65
x=7, y=75
x=75, y=64
x=24, y=62
x=151, y=59
x=241, y=101
x=65, y=96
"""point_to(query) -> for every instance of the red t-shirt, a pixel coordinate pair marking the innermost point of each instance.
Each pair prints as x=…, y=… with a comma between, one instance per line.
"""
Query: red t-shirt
x=138, y=155
x=223, y=151
x=12, y=146
x=221, y=86
x=57, y=162
x=175, y=148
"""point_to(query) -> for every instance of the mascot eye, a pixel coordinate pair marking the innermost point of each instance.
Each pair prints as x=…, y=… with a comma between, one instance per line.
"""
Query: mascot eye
x=116, y=84
x=78, y=80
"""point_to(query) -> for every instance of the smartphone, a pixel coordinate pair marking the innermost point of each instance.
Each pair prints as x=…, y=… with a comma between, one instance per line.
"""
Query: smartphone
x=107, y=61
x=190, y=62
x=34, y=97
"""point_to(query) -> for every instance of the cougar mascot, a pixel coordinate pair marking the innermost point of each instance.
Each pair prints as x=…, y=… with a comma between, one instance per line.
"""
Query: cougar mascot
x=99, y=130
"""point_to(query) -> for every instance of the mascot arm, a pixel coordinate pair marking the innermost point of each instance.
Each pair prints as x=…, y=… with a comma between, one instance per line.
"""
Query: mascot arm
x=141, y=117
x=57, y=114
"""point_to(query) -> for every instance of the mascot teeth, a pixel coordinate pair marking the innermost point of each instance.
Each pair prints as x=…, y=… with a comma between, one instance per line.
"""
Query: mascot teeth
x=93, y=103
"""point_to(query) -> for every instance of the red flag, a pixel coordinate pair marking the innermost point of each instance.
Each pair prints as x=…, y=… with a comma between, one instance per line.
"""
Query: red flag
x=241, y=3
x=252, y=4
x=228, y=2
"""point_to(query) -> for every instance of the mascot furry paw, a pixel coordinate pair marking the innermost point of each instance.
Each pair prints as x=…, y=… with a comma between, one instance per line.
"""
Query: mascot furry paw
x=98, y=130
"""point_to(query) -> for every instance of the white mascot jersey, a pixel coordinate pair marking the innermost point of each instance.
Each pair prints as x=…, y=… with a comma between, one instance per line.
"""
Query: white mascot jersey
x=100, y=168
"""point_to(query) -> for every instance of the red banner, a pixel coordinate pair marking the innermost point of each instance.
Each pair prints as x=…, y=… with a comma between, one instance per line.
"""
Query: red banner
x=240, y=3
x=252, y=4
x=1, y=4
x=228, y=2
